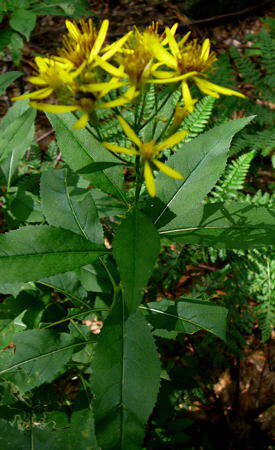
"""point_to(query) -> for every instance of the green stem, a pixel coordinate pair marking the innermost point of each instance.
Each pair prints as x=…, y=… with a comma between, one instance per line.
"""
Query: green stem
x=75, y=316
x=138, y=179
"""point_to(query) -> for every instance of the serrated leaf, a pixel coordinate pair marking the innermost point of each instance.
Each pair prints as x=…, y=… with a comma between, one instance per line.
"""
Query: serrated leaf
x=187, y=315
x=15, y=141
x=136, y=247
x=126, y=373
x=224, y=225
x=35, y=252
x=7, y=78
x=40, y=355
x=79, y=149
x=13, y=136
x=14, y=112
x=63, y=209
x=23, y=21
x=201, y=162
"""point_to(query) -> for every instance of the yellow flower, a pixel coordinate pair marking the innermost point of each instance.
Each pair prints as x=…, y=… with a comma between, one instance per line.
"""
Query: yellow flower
x=136, y=57
x=187, y=62
x=52, y=74
x=83, y=44
x=85, y=99
x=149, y=153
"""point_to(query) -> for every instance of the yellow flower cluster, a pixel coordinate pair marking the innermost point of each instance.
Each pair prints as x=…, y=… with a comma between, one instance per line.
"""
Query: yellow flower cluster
x=87, y=69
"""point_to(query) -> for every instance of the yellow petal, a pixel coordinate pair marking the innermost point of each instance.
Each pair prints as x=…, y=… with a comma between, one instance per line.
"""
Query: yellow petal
x=149, y=179
x=57, y=109
x=37, y=80
x=113, y=48
x=162, y=55
x=129, y=131
x=99, y=40
x=171, y=141
x=81, y=122
x=188, y=101
x=117, y=149
x=167, y=170
x=201, y=83
x=40, y=94
x=109, y=68
x=173, y=79
x=205, y=49
x=184, y=39
x=173, y=32
x=73, y=30
x=163, y=74
x=120, y=101
x=78, y=71
x=105, y=86
x=172, y=43
x=41, y=63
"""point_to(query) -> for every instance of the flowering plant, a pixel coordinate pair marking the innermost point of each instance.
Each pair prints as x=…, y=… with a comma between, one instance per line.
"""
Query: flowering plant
x=133, y=179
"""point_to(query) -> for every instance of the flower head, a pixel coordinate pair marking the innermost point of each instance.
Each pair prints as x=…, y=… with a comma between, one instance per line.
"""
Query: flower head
x=51, y=75
x=136, y=56
x=85, y=99
x=149, y=153
x=186, y=62
x=83, y=41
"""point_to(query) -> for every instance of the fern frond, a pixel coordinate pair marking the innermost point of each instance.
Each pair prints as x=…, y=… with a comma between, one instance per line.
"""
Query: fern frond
x=234, y=178
x=262, y=285
x=246, y=67
x=196, y=122
x=263, y=141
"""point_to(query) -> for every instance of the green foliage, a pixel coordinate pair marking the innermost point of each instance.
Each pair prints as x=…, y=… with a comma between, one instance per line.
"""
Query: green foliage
x=34, y=252
x=136, y=247
x=224, y=225
x=80, y=149
x=126, y=379
x=255, y=67
x=6, y=79
x=21, y=16
x=93, y=257
x=233, y=178
x=202, y=159
x=196, y=122
x=187, y=316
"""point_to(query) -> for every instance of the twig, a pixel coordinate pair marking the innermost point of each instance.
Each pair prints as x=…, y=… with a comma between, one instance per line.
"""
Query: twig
x=233, y=14
x=48, y=133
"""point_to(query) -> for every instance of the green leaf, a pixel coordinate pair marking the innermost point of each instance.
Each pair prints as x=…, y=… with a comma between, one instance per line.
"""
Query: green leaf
x=35, y=252
x=201, y=162
x=6, y=79
x=77, y=434
x=10, y=307
x=136, y=247
x=80, y=149
x=23, y=21
x=11, y=438
x=187, y=315
x=224, y=225
x=63, y=209
x=15, y=141
x=26, y=207
x=98, y=166
x=40, y=355
x=126, y=373
x=5, y=38
x=14, y=112
x=16, y=45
